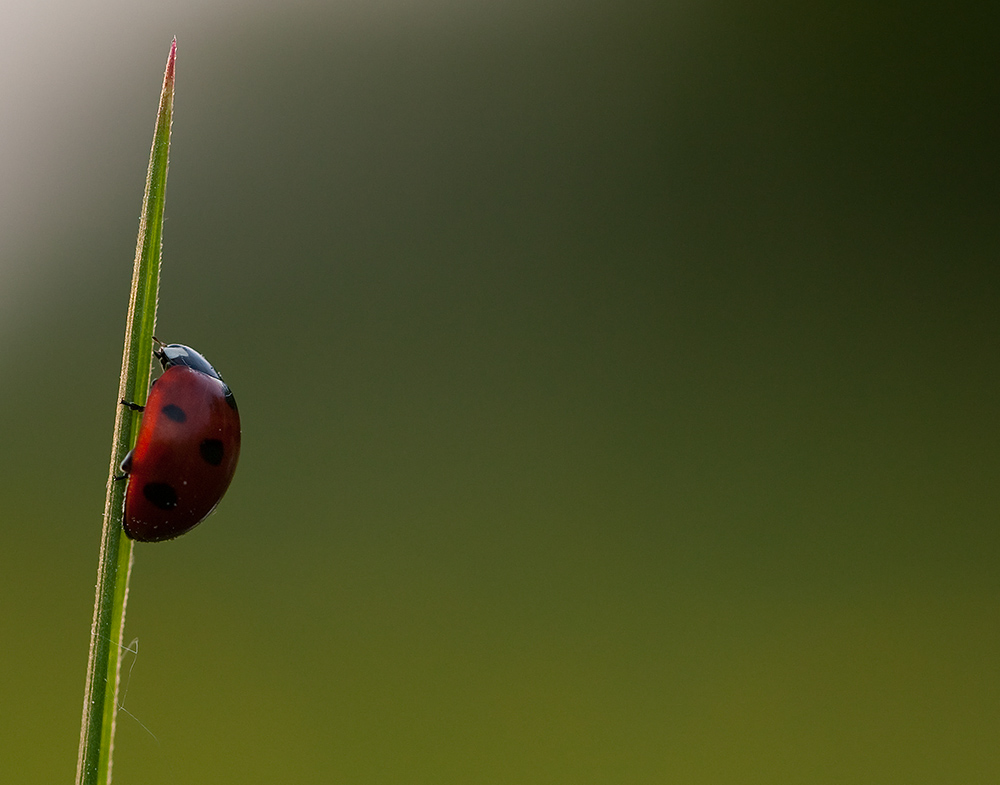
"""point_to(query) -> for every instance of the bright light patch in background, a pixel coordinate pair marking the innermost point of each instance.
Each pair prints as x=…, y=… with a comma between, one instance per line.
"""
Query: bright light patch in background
x=74, y=80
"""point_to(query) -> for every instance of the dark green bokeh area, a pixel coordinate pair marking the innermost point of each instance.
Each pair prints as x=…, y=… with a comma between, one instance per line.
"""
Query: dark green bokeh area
x=618, y=385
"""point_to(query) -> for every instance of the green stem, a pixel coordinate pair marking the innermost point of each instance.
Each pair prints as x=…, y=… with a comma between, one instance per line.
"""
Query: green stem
x=100, y=700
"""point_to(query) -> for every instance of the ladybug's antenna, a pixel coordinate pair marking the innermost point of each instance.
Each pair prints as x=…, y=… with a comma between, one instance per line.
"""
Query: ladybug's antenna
x=158, y=350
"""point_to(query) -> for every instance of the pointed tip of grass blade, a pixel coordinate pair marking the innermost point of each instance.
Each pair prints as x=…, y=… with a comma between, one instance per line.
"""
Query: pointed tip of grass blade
x=168, y=76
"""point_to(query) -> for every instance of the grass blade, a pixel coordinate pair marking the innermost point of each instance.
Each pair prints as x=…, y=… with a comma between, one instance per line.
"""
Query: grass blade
x=100, y=702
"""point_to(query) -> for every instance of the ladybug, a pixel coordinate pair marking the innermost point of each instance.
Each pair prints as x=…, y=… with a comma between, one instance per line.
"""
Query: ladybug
x=187, y=449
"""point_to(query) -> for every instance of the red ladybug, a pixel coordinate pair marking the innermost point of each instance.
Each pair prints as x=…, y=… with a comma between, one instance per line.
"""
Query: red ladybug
x=186, y=453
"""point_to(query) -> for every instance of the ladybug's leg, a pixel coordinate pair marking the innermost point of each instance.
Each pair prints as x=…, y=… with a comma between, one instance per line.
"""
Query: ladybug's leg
x=136, y=407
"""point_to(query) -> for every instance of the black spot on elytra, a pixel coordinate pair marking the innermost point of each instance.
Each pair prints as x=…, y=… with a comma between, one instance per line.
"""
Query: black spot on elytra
x=212, y=451
x=160, y=495
x=174, y=412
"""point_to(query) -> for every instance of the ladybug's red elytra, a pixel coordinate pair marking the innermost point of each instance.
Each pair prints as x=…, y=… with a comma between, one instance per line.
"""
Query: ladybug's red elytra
x=187, y=449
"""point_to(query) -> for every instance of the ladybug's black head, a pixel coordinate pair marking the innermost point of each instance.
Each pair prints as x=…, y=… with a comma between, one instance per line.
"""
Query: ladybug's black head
x=173, y=354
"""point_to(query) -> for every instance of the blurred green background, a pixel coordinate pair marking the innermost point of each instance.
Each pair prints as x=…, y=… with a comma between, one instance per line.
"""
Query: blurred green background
x=618, y=381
